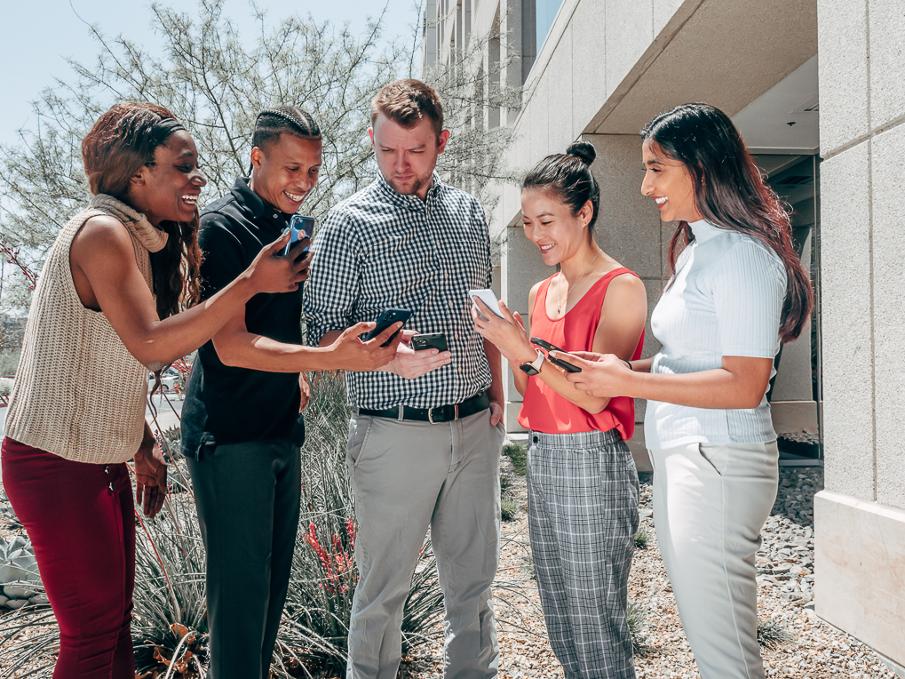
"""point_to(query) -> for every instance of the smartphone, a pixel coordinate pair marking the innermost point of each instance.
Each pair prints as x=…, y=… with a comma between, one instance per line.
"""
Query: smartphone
x=565, y=365
x=486, y=295
x=300, y=226
x=433, y=340
x=386, y=318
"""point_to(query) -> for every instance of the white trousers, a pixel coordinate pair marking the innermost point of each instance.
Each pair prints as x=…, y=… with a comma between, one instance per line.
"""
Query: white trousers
x=710, y=504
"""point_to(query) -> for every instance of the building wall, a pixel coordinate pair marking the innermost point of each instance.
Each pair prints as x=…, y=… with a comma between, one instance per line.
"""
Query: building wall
x=860, y=517
x=603, y=64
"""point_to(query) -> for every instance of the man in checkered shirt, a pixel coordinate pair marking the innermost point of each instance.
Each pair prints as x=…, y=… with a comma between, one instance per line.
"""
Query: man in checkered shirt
x=425, y=436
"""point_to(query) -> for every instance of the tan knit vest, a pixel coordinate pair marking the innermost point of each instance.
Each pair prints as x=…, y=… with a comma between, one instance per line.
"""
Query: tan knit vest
x=78, y=392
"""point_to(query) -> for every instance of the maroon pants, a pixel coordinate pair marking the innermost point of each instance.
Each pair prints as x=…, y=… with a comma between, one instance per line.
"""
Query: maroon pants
x=80, y=520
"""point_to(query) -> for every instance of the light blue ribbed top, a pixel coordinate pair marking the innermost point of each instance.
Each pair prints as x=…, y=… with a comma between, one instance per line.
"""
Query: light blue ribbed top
x=725, y=300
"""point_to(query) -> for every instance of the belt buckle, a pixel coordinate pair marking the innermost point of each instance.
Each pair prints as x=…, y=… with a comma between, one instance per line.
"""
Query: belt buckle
x=430, y=412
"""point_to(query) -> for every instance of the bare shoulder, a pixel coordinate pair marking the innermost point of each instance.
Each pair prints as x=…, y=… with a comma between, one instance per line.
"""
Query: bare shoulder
x=102, y=236
x=625, y=292
x=103, y=231
x=626, y=284
x=532, y=295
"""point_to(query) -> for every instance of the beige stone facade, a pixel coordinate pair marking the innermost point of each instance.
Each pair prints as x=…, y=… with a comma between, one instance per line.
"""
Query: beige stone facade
x=599, y=69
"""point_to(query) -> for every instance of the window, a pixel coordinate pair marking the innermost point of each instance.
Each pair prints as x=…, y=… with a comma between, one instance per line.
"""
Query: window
x=545, y=13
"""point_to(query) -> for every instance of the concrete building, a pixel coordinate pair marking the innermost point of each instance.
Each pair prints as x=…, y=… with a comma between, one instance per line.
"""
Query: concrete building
x=817, y=89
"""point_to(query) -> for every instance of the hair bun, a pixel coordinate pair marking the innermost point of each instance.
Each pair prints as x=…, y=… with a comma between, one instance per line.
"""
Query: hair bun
x=583, y=150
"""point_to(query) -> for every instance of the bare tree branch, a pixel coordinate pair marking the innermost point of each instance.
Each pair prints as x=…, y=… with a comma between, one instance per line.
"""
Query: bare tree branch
x=216, y=80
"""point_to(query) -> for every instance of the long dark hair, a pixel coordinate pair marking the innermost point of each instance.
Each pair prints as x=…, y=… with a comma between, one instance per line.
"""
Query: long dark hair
x=121, y=141
x=569, y=176
x=730, y=192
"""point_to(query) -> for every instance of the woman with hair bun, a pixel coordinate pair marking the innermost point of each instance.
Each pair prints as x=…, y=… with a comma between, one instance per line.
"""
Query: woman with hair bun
x=103, y=314
x=582, y=482
x=738, y=291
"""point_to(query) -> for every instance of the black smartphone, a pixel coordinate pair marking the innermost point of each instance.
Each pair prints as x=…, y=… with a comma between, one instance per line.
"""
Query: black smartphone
x=300, y=227
x=386, y=318
x=432, y=340
x=565, y=365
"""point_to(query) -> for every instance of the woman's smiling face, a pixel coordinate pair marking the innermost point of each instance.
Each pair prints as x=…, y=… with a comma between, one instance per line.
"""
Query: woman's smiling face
x=669, y=184
x=169, y=187
x=549, y=223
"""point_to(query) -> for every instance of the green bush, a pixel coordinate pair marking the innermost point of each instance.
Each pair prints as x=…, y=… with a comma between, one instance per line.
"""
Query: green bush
x=169, y=622
x=637, y=625
x=508, y=509
x=772, y=633
x=169, y=626
x=519, y=456
x=319, y=602
x=641, y=539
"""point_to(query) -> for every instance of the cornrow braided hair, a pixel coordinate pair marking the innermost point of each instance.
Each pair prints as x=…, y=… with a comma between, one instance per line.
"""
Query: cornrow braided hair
x=271, y=122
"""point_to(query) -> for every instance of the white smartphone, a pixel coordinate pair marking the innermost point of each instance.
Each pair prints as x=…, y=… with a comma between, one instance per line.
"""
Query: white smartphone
x=486, y=295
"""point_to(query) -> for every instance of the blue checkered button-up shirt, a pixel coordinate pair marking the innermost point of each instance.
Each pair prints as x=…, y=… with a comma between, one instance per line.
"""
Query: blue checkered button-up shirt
x=380, y=249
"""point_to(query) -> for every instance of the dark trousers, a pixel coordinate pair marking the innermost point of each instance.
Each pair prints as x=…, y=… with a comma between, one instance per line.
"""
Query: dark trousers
x=247, y=495
x=81, y=523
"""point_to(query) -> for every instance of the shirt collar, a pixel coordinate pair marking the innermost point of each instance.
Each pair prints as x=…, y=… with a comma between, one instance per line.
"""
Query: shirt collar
x=704, y=230
x=263, y=214
x=410, y=201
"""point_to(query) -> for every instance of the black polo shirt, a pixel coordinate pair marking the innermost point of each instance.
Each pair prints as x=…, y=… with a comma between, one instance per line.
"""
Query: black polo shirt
x=225, y=404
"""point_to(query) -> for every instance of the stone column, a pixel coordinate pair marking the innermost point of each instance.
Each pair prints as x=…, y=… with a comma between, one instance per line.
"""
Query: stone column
x=860, y=516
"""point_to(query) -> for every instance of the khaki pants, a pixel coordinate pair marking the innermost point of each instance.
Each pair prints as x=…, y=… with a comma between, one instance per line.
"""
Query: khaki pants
x=710, y=504
x=407, y=476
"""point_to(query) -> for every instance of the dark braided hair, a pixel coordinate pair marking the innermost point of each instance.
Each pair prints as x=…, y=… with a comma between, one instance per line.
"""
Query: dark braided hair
x=121, y=141
x=569, y=176
x=271, y=122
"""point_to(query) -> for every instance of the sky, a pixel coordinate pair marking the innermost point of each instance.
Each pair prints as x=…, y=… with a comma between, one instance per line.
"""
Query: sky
x=40, y=35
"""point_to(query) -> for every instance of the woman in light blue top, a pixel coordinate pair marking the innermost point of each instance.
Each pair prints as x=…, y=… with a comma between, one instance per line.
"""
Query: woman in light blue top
x=738, y=291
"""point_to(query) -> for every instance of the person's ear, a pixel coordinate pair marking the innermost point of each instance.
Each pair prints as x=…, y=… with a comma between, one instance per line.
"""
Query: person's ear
x=586, y=213
x=442, y=138
x=257, y=155
x=139, y=178
x=371, y=135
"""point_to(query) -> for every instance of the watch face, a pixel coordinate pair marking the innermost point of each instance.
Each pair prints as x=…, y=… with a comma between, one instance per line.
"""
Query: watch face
x=528, y=369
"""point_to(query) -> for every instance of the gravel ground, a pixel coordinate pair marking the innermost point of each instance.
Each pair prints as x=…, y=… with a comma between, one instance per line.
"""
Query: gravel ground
x=809, y=648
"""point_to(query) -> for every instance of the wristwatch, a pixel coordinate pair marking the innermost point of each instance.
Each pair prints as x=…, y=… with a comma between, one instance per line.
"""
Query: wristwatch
x=534, y=366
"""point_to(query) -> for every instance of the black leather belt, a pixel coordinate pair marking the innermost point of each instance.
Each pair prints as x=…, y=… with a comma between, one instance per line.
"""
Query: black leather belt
x=434, y=415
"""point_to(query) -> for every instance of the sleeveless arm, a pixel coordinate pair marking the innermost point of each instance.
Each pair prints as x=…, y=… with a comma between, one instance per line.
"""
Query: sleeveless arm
x=102, y=254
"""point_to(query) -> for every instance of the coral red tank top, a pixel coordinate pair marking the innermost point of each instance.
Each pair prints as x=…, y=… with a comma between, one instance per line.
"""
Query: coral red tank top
x=546, y=411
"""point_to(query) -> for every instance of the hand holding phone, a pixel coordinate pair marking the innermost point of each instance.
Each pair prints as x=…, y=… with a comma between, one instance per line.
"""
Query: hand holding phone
x=486, y=295
x=434, y=340
x=300, y=227
x=386, y=318
x=565, y=365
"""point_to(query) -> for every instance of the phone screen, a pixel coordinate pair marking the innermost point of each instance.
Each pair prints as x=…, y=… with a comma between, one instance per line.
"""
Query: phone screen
x=300, y=226
x=486, y=295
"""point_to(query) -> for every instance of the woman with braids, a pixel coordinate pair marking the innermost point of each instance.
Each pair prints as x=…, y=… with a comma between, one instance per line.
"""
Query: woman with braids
x=582, y=482
x=105, y=311
x=737, y=292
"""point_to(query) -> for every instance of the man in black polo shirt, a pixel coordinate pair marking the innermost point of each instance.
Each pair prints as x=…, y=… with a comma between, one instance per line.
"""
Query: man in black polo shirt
x=241, y=421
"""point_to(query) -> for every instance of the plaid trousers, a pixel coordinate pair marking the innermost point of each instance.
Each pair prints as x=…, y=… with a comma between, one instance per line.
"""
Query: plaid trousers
x=582, y=520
